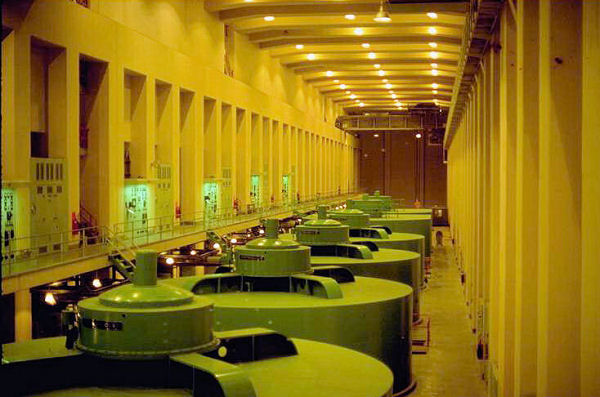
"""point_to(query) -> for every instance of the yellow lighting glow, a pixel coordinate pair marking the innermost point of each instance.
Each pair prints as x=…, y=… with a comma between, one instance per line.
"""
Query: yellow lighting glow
x=193, y=252
x=50, y=299
x=434, y=65
x=434, y=55
x=269, y=18
x=352, y=96
x=343, y=86
x=435, y=72
x=435, y=85
x=432, y=15
x=299, y=46
x=311, y=57
x=336, y=81
x=372, y=55
x=350, y=17
x=361, y=104
x=377, y=66
x=434, y=92
x=381, y=73
x=432, y=30
x=365, y=45
x=329, y=73
x=433, y=45
x=388, y=86
x=359, y=31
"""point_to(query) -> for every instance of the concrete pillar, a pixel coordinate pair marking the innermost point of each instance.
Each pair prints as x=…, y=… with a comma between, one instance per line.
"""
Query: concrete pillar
x=590, y=275
x=559, y=254
x=23, y=321
x=527, y=101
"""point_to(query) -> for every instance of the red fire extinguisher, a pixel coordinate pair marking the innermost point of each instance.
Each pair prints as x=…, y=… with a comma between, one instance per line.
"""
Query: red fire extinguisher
x=236, y=205
x=177, y=211
x=74, y=224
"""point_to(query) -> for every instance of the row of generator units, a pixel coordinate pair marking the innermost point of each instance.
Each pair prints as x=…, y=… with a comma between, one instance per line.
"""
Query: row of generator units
x=320, y=304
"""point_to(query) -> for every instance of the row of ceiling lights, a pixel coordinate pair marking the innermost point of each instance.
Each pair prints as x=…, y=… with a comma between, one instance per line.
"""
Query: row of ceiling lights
x=382, y=16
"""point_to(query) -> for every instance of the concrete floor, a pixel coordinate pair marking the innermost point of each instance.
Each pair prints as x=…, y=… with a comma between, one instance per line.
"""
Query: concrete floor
x=450, y=368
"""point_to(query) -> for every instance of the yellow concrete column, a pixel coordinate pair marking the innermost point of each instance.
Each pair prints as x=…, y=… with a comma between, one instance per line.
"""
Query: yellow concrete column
x=23, y=320
x=590, y=275
x=559, y=255
x=527, y=101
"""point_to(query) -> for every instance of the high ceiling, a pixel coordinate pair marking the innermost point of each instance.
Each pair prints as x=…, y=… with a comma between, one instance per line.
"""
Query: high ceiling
x=362, y=64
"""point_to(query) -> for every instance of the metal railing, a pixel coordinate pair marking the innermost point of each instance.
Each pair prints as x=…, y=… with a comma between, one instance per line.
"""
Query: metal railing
x=39, y=251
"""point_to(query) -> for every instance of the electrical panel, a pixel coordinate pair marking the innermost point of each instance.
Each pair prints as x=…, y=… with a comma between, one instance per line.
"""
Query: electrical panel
x=255, y=193
x=226, y=190
x=163, y=195
x=9, y=209
x=210, y=191
x=136, y=208
x=49, y=204
x=285, y=189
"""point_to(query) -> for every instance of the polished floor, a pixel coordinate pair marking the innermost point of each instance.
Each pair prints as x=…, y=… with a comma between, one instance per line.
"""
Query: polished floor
x=450, y=367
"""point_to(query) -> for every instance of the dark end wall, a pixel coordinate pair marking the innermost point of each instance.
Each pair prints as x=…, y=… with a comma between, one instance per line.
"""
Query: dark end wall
x=407, y=168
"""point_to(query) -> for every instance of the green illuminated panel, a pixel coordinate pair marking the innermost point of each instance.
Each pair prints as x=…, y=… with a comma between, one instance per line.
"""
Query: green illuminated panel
x=255, y=191
x=9, y=208
x=136, y=207
x=210, y=191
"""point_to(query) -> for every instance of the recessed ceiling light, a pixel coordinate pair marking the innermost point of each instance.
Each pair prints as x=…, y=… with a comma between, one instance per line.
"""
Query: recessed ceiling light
x=432, y=15
x=432, y=30
x=350, y=17
x=377, y=66
x=299, y=46
x=434, y=65
x=269, y=18
x=343, y=86
x=394, y=96
x=352, y=96
x=435, y=72
x=435, y=86
x=433, y=44
x=385, y=80
x=336, y=81
x=358, y=31
x=311, y=57
x=391, y=92
x=348, y=92
x=372, y=55
x=434, y=55
x=388, y=86
x=361, y=104
x=248, y=1
x=329, y=73
x=365, y=45
x=357, y=101
x=434, y=92
x=381, y=73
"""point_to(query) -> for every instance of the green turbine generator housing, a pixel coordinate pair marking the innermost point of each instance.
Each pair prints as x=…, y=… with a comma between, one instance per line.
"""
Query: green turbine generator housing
x=363, y=260
x=153, y=356
x=401, y=223
x=362, y=233
x=326, y=304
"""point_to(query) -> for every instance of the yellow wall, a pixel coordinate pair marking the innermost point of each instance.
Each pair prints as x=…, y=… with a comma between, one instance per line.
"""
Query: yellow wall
x=523, y=198
x=179, y=45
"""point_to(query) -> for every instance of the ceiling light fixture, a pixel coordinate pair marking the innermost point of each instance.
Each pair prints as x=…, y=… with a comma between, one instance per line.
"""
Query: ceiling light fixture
x=435, y=86
x=372, y=55
x=385, y=80
x=348, y=92
x=377, y=66
x=434, y=92
x=365, y=45
x=357, y=101
x=311, y=57
x=434, y=55
x=269, y=18
x=329, y=73
x=299, y=46
x=432, y=30
x=381, y=73
x=336, y=81
x=433, y=44
x=361, y=104
x=435, y=72
x=434, y=65
x=432, y=15
x=388, y=86
x=394, y=96
x=350, y=17
x=352, y=96
x=382, y=15
x=358, y=31
x=343, y=86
